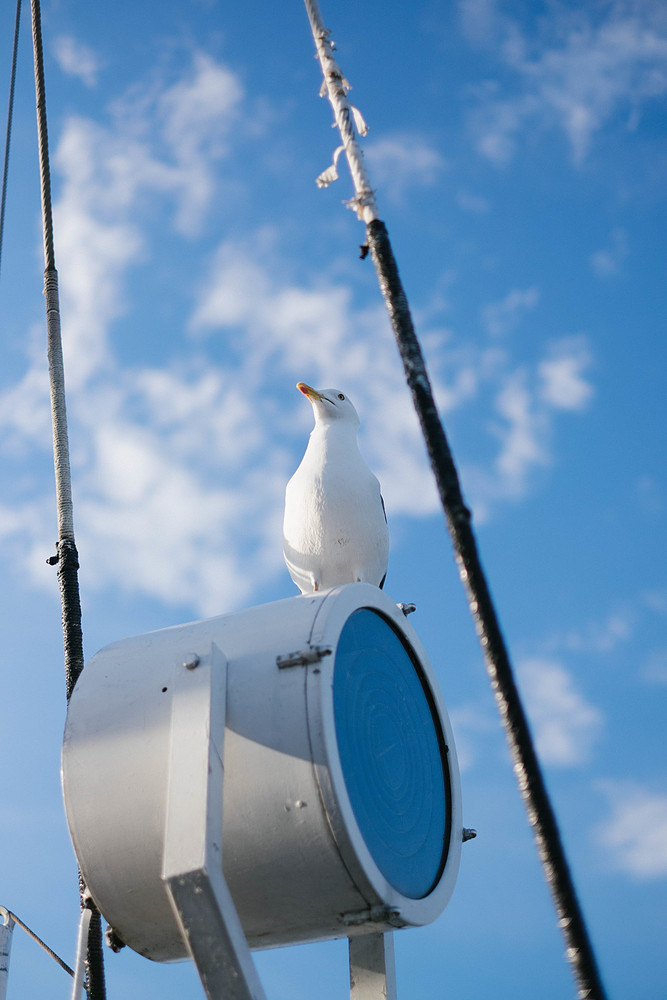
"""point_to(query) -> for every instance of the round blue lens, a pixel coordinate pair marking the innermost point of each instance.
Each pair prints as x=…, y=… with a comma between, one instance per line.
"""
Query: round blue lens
x=392, y=753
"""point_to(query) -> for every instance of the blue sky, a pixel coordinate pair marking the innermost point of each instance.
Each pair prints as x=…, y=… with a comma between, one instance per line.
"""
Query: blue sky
x=519, y=155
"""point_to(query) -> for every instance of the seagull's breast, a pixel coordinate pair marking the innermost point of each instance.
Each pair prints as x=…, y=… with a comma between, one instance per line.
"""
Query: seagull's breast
x=334, y=526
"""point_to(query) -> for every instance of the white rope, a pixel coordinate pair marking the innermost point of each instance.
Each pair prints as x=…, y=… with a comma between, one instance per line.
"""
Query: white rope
x=348, y=120
x=58, y=409
x=81, y=946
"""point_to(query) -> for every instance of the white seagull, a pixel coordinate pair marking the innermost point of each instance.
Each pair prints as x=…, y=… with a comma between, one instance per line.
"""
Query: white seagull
x=335, y=528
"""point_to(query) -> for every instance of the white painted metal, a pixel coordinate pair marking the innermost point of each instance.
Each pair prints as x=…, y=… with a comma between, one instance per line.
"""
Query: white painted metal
x=81, y=945
x=6, y=932
x=295, y=862
x=372, y=967
x=328, y=623
x=192, y=863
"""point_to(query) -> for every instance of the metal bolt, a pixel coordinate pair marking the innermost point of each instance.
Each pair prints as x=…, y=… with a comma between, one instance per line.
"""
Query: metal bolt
x=191, y=661
x=407, y=609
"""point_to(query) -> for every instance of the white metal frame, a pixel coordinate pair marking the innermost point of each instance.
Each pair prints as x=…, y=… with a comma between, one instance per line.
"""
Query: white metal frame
x=6, y=931
x=372, y=967
x=192, y=860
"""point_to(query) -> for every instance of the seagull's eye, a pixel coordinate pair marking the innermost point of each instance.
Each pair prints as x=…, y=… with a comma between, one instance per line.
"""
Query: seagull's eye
x=341, y=396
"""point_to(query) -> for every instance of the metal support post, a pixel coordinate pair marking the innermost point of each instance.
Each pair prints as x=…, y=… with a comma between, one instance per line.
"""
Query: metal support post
x=6, y=929
x=192, y=860
x=372, y=967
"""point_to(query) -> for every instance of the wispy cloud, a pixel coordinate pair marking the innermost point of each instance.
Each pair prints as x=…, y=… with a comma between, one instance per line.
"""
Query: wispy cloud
x=635, y=834
x=564, y=385
x=565, y=724
x=473, y=203
x=180, y=463
x=655, y=667
x=650, y=496
x=400, y=161
x=76, y=59
x=575, y=70
x=606, y=263
x=501, y=317
x=526, y=404
x=605, y=635
x=472, y=725
x=110, y=173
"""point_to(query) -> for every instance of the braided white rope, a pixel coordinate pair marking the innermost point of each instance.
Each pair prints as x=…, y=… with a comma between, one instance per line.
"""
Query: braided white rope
x=58, y=409
x=348, y=120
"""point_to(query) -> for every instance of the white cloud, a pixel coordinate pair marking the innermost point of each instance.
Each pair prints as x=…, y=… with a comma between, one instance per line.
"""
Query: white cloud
x=565, y=725
x=607, y=262
x=501, y=317
x=76, y=59
x=179, y=467
x=526, y=402
x=315, y=333
x=473, y=203
x=650, y=496
x=522, y=433
x=655, y=668
x=563, y=385
x=635, y=834
x=576, y=71
x=198, y=113
x=472, y=724
x=400, y=161
x=109, y=173
x=478, y=20
x=603, y=636
x=25, y=411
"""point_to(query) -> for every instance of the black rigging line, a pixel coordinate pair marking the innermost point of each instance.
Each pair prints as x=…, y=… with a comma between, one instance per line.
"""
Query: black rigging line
x=38, y=940
x=67, y=556
x=527, y=769
x=8, y=133
x=533, y=790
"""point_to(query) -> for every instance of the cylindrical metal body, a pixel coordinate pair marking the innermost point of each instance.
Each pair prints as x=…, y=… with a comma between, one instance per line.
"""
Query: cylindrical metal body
x=295, y=801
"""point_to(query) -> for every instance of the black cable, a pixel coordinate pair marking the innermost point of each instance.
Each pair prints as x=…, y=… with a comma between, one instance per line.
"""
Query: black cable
x=8, y=133
x=526, y=765
x=67, y=556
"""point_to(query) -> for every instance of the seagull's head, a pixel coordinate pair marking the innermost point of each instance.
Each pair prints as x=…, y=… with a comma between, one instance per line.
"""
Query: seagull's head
x=330, y=405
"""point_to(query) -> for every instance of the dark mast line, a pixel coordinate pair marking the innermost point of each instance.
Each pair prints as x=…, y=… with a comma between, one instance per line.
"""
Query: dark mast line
x=66, y=556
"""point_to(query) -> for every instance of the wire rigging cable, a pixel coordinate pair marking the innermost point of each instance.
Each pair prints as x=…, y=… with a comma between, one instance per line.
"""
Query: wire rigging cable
x=42, y=944
x=8, y=132
x=526, y=765
x=66, y=556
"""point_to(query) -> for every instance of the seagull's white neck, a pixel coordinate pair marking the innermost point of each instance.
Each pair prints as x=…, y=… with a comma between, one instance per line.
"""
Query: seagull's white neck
x=327, y=439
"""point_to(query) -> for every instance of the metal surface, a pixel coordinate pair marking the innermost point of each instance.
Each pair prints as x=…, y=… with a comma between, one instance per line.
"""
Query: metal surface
x=192, y=862
x=81, y=947
x=372, y=967
x=6, y=931
x=303, y=657
x=294, y=858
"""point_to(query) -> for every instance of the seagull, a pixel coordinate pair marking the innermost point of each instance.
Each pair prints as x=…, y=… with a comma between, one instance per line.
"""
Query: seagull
x=335, y=526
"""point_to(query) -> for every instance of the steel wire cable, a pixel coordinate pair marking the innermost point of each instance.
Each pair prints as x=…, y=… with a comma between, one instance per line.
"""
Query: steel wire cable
x=8, y=131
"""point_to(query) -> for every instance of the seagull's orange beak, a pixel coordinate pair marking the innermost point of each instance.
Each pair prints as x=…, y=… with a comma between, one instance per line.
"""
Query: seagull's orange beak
x=308, y=390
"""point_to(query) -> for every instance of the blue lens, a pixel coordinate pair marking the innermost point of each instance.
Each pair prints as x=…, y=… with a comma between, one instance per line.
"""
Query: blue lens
x=392, y=753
